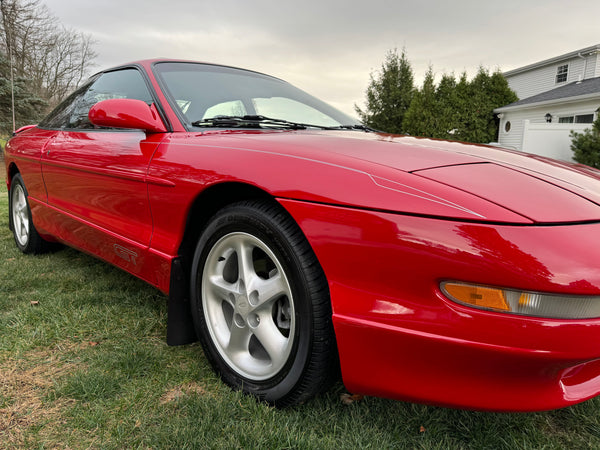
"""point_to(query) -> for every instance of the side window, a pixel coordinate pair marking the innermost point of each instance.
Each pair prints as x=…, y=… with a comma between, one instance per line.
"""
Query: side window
x=60, y=116
x=127, y=83
x=73, y=113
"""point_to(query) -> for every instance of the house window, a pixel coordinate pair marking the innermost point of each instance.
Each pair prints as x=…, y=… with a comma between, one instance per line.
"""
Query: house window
x=582, y=118
x=561, y=73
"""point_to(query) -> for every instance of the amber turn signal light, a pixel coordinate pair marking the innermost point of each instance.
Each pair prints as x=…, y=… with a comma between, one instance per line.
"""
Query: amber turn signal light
x=480, y=296
x=536, y=304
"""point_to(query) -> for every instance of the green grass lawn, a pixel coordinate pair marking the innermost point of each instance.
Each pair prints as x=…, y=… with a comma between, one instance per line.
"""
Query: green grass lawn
x=84, y=364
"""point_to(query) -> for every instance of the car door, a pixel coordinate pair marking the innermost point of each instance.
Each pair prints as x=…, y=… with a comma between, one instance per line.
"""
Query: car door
x=96, y=178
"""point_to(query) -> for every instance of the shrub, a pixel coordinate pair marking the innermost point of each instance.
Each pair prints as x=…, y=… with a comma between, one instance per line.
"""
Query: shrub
x=586, y=145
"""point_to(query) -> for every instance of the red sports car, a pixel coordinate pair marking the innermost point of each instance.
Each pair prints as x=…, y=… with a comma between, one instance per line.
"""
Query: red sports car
x=294, y=242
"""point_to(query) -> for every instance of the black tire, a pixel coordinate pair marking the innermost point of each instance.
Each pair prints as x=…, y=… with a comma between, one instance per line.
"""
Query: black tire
x=26, y=236
x=264, y=321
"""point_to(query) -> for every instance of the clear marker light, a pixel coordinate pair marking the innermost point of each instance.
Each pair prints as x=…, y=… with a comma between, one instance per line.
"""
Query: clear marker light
x=536, y=304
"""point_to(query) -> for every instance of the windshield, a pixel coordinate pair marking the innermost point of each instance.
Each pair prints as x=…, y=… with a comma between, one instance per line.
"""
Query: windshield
x=199, y=92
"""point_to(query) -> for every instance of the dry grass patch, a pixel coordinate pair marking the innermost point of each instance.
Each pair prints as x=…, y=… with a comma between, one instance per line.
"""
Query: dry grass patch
x=25, y=383
x=185, y=390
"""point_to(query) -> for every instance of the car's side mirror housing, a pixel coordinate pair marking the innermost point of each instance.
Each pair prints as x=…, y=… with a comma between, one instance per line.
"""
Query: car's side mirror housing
x=127, y=113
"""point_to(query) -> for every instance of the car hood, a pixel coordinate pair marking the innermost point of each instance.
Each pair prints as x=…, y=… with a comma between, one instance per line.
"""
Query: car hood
x=430, y=177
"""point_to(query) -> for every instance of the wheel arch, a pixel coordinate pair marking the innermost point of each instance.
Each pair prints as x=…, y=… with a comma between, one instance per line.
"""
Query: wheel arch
x=180, y=329
x=207, y=203
x=11, y=172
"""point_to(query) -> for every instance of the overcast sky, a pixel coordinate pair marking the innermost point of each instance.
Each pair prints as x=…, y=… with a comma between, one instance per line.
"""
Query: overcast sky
x=330, y=47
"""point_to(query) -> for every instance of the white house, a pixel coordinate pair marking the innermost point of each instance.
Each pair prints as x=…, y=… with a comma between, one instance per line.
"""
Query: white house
x=557, y=95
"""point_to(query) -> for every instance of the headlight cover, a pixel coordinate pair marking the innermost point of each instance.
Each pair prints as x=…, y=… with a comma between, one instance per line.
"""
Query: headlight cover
x=527, y=303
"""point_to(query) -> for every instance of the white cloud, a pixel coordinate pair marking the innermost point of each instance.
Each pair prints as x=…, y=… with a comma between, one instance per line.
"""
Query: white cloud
x=329, y=48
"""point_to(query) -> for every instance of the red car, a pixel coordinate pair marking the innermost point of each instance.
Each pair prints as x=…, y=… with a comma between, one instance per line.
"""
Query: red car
x=293, y=242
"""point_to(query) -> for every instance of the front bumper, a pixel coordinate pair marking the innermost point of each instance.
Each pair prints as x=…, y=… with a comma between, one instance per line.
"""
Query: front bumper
x=403, y=364
x=399, y=337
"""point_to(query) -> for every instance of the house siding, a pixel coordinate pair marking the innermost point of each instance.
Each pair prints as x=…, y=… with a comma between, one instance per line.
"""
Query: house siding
x=593, y=66
x=529, y=84
x=542, y=79
x=514, y=138
x=597, y=70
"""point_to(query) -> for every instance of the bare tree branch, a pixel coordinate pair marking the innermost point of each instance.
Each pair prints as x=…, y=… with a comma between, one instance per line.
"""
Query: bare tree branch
x=53, y=58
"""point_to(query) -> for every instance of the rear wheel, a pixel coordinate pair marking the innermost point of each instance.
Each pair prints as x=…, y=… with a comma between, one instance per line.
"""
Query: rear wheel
x=261, y=306
x=26, y=236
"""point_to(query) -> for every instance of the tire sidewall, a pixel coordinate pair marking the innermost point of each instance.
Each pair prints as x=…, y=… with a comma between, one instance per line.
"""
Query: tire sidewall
x=247, y=219
x=17, y=181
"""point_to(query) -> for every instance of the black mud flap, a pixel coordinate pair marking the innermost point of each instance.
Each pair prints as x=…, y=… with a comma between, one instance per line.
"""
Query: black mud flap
x=10, y=216
x=180, y=328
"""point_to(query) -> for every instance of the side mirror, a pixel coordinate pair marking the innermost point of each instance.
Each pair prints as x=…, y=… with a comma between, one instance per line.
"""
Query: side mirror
x=127, y=113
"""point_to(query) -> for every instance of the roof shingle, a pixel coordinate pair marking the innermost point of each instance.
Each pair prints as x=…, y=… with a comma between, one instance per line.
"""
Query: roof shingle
x=574, y=89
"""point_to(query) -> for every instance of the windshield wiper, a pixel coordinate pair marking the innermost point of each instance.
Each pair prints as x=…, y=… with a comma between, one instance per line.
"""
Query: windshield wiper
x=354, y=127
x=249, y=121
x=258, y=121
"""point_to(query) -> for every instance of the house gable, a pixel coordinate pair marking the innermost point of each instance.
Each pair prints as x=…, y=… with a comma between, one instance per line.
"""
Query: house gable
x=555, y=72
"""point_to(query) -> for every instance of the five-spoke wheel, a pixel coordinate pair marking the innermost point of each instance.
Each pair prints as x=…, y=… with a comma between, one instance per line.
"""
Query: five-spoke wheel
x=261, y=306
x=248, y=305
x=20, y=215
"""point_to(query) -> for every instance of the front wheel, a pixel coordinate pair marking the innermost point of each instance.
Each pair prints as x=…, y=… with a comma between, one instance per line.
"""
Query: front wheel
x=261, y=305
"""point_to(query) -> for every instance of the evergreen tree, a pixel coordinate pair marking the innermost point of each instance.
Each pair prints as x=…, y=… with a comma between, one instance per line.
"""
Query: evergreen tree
x=586, y=145
x=389, y=94
x=483, y=94
x=460, y=110
x=464, y=110
x=421, y=118
x=28, y=107
x=447, y=98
